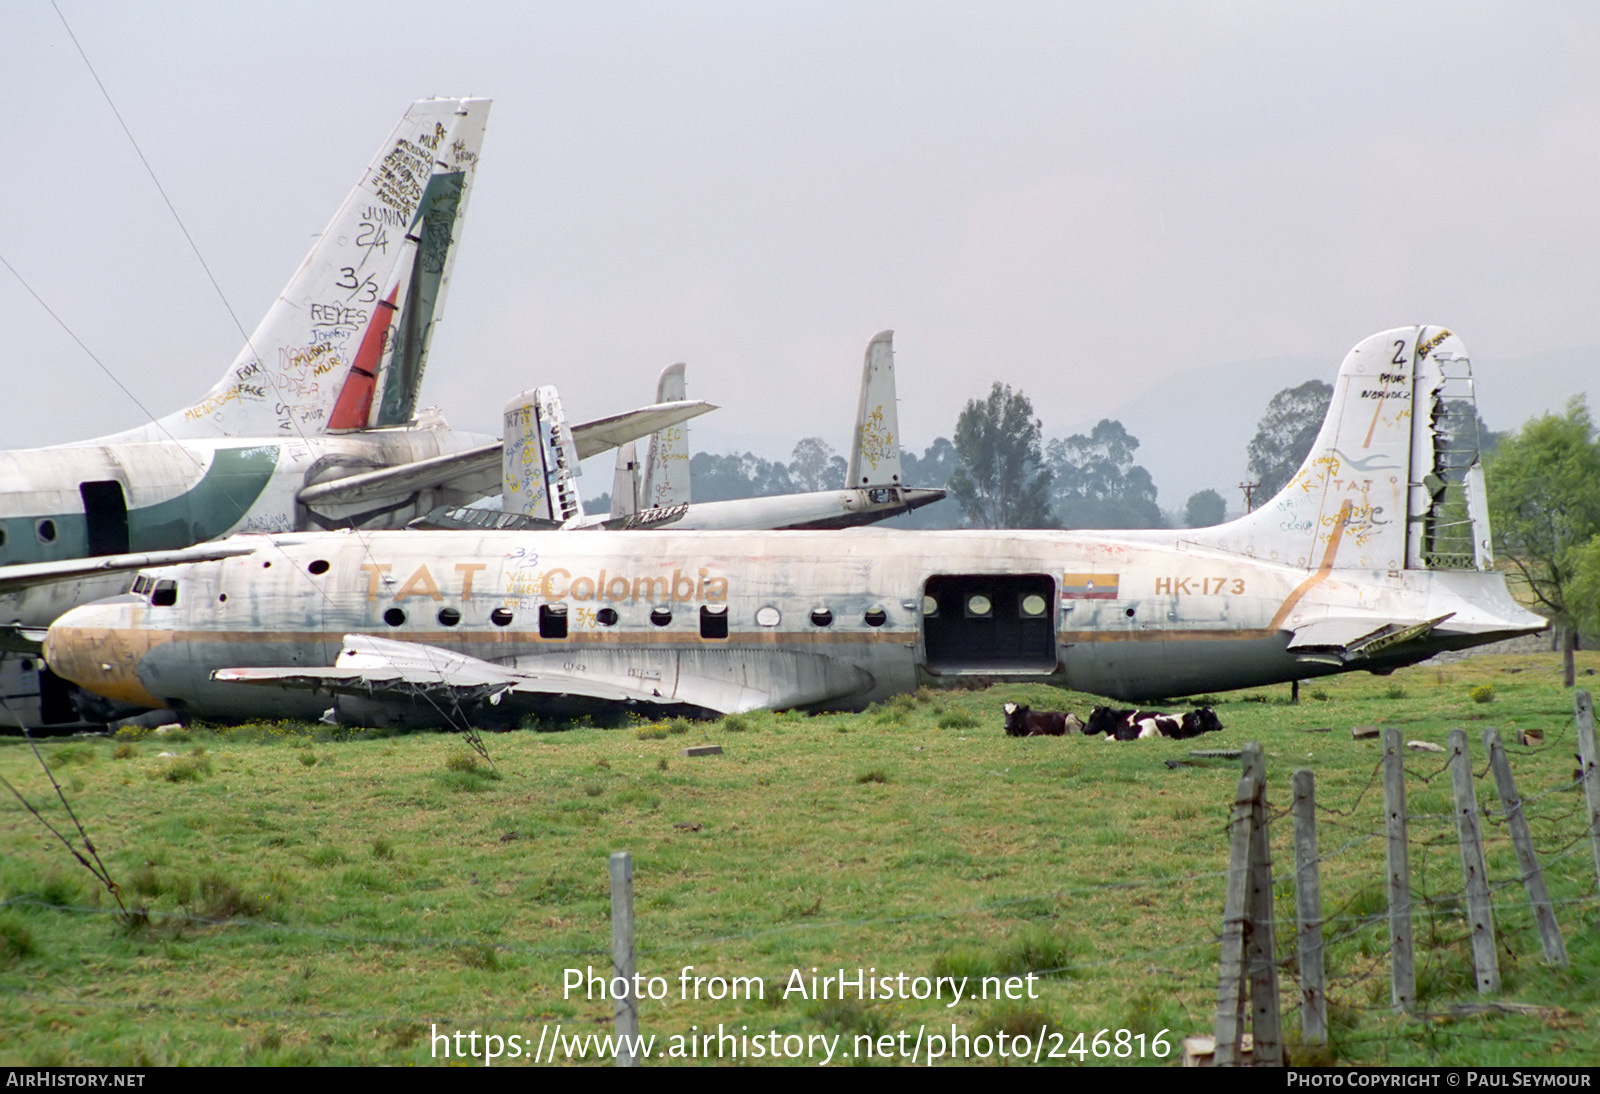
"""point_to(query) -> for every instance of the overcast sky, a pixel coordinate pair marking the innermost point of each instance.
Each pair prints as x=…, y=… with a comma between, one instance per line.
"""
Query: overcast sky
x=1079, y=199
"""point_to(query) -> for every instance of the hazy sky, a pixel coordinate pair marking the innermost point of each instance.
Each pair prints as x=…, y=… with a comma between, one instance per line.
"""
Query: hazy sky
x=1078, y=199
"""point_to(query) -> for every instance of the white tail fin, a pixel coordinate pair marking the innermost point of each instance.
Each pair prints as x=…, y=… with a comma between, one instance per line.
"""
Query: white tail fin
x=666, y=466
x=875, y=457
x=625, y=483
x=1393, y=481
x=345, y=345
x=539, y=461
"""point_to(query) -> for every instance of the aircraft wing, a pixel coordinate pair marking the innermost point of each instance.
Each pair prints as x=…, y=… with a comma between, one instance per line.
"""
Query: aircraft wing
x=721, y=680
x=389, y=484
x=28, y=574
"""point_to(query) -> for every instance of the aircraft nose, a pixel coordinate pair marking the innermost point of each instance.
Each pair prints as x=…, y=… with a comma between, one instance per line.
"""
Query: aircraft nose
x=100, y=647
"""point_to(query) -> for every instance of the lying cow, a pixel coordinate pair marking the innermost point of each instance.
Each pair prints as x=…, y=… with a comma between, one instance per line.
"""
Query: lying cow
x=1022, y=722
x=1117, y=725
x=1128, y=725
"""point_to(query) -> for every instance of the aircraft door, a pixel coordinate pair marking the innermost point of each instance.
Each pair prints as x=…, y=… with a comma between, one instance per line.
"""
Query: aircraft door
x=105, y=512
x=1000, y=623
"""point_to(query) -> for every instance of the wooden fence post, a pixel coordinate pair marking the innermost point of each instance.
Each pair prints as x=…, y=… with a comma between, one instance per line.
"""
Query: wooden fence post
x=1261, y=942
x=1589, y=762
x=1544, y=914
x=1235, y=927
x=1402, y=972
x=1308, y=899
x=1485, y=962
x=625, y=1023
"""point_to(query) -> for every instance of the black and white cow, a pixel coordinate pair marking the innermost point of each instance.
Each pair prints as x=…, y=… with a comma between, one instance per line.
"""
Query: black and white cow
x=1128, y=725
x=1022, y=722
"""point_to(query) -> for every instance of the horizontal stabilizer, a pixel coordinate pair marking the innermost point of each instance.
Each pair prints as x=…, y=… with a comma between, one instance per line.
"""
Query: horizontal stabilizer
x=462, y=470
x=603, y=434
x=1350, y=639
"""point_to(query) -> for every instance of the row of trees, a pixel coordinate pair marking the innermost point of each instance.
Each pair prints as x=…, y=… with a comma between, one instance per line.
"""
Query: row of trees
x=1006, y=477
x=1001, y=474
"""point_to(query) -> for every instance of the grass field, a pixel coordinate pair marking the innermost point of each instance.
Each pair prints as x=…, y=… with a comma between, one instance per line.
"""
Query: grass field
x=309, y=895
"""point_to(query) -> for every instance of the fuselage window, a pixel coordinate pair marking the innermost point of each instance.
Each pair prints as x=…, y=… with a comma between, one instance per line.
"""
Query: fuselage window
x=714, y=621
x=552, y=620
x=394, y=617
x=46, y=530
x=319, y=567
x=449, y=617
x=1033, y=606
x=768, y=616
x=979, y=606
x=500, y=617
x=165, y=594
x=606, y=617
x=821, y=617
x=661, y=616
x=876, y=617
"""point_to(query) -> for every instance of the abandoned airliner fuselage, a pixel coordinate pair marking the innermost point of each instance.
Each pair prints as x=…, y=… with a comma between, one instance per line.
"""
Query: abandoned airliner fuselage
x=1375, y=555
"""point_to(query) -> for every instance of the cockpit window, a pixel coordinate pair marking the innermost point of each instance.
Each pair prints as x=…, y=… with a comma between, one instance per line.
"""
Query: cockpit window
x=165, y=594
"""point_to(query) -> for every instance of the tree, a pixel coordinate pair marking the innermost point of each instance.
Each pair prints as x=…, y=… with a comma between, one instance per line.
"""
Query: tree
x=720, y=478
x=1287, y=431
x=1097, y=484
x=1205, y=509
x=1583, y=595
x=998, y=480
x=814, y=466
x=1544, y=505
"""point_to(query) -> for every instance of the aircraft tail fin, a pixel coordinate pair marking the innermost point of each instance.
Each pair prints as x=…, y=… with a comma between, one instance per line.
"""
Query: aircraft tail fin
x=875, y=456
x=1393, y=480
x=540, y=461
x=625, y=483
x=666, y=465
x=345, y=344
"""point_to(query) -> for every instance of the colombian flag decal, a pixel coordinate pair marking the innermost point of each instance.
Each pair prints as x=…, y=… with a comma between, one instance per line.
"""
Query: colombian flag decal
x=1088, y=586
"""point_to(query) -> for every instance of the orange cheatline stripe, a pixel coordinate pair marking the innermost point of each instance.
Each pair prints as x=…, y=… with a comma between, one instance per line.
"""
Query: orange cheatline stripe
x=1375, y=412
x=1317, y=578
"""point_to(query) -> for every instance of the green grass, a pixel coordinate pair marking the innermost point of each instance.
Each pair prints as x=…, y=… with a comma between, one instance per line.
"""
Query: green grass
x=334, y=912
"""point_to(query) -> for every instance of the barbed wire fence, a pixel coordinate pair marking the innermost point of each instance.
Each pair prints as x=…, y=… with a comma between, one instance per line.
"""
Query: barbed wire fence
x=1476, y=918
x=1247, y=948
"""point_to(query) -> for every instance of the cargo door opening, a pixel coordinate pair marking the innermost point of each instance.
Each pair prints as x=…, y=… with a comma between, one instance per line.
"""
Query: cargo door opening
x=105, y=512
x=989, y=623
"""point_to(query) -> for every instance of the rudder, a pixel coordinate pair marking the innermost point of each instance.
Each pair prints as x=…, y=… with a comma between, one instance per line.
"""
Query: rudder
x=666, y=466
x=1393, y=479
x=345, y=344
x=875, y=455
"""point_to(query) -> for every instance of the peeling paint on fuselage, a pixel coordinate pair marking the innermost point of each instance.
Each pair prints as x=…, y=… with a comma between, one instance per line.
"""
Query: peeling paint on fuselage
x=1183, y=619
